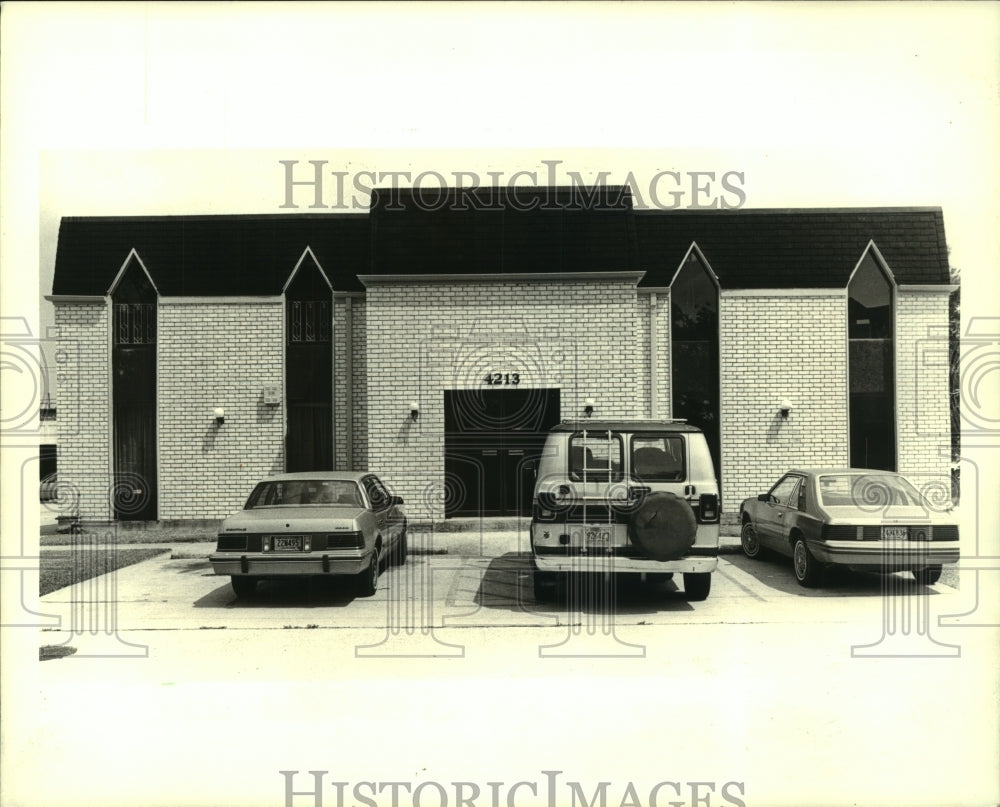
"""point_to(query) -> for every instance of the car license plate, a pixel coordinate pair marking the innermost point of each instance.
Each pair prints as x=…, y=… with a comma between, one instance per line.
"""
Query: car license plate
x=287, y=543
x=894, y=533
x=598, y=537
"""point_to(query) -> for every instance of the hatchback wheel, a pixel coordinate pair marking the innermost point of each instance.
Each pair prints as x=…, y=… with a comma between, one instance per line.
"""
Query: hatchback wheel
x=808, y=570
x=927, y=576
x=749, y=540
x=368, y=578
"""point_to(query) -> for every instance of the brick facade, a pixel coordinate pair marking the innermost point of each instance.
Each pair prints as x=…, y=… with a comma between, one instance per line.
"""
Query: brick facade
x=773, y=347
x=426, y=301
x=578, y=336
x=358, y=460
x=412, y=341
x=654, y=307
x=217, y=354
x=923, y=417
x=84, y=422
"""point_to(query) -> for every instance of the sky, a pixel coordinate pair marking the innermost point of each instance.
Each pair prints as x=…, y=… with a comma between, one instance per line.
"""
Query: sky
x=179, y=108
x=162, y=109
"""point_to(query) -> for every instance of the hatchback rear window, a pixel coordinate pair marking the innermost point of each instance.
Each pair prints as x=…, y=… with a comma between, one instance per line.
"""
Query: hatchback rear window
x=595, y=456
x=658, y=457
x=867, y=491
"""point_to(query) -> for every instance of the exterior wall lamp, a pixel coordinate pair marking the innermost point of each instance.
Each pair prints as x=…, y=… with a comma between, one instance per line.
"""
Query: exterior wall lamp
x=785, y=409
x=588, y=407
x=414, y=410
x=220, y=415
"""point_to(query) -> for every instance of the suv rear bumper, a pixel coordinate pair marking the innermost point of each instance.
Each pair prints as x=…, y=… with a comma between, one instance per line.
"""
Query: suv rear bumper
x=562, y=548
x=599, y=564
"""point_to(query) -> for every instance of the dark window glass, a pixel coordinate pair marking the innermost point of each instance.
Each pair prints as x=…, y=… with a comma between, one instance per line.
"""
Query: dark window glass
x=694, y=354
x=658, y=457
x=871, y=367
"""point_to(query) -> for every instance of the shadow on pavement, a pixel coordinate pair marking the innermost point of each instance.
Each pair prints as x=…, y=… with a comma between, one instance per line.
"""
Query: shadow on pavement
x=775, y=571
x=507, y=583
x=303, y=592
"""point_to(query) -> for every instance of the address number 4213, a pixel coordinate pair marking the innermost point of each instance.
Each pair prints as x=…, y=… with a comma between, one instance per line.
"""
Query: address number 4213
x=502, y=378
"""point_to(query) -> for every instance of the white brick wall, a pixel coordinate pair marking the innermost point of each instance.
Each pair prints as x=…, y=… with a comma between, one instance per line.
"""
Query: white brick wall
x=772, y=348
x=923, y=417
x=209, y=355
x=577, y=336
x=359, y=395
x=412, y=341
x=644, y=306
x=84, y=422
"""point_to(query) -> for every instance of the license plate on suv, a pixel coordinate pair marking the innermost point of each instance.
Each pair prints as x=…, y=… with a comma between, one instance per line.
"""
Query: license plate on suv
x=894, y=533
x=287, y=543
x=597, y=536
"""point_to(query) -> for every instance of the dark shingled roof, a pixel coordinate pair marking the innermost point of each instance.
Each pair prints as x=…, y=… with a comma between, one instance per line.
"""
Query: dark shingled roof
x=210, y=255
x=499, y=230
x=805, y=248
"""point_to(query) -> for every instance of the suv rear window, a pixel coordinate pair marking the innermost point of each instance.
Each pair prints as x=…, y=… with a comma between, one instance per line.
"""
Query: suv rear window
x=658, y=457
x=596, y=454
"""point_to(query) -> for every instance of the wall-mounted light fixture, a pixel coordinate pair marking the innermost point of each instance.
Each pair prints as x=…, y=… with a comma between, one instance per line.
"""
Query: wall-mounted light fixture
x=785, y=409
x=220, y=415
x=414, y=410
x=588, y=407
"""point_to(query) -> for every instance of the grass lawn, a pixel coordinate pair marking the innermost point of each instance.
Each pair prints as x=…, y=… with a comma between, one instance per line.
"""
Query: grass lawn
x=58, y=569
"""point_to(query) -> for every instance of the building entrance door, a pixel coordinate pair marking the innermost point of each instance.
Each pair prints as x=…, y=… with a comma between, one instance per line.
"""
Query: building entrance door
x=493, y=439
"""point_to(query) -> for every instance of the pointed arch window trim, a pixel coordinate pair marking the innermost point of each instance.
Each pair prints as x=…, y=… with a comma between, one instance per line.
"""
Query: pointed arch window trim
x=880, y=261
x=125, y=265
x=307, y=252
x=694, y=248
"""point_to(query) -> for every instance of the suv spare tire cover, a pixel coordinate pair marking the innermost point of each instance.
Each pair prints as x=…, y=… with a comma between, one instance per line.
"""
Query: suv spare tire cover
x=663, y=526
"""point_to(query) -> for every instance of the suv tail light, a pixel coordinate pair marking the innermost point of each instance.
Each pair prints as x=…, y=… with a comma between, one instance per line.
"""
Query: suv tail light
x=708, y=507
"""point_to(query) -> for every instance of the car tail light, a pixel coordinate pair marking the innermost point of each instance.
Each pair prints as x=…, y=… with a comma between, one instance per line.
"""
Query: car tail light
x=708, y=506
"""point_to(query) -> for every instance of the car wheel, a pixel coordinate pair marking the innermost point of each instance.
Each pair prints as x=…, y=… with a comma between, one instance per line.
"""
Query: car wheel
x=400, y=551
x=697, y=585
x=749, y=540
x=243, y=586
x=368, y=578
x=808, y=570
x=927, y=576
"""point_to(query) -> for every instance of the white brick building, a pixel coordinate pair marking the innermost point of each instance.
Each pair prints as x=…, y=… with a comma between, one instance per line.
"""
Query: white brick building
x=436, y=340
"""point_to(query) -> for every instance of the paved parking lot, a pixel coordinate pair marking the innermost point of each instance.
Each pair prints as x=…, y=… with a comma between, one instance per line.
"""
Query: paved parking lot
x=454, y=671
x=179, y=591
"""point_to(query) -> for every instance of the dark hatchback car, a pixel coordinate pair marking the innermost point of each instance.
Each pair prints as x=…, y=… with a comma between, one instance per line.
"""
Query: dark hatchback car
x=870, y=520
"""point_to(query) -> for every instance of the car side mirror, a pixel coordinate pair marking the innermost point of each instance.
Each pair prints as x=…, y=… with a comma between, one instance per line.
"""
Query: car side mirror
x=395, y=500
x=764, y=497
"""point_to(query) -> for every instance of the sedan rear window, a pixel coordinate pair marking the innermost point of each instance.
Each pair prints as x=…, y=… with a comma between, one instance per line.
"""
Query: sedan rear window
x=299, y=492
x=867, y=491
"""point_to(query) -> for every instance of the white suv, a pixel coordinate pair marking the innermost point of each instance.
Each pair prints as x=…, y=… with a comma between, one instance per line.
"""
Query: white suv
x=626, y=496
